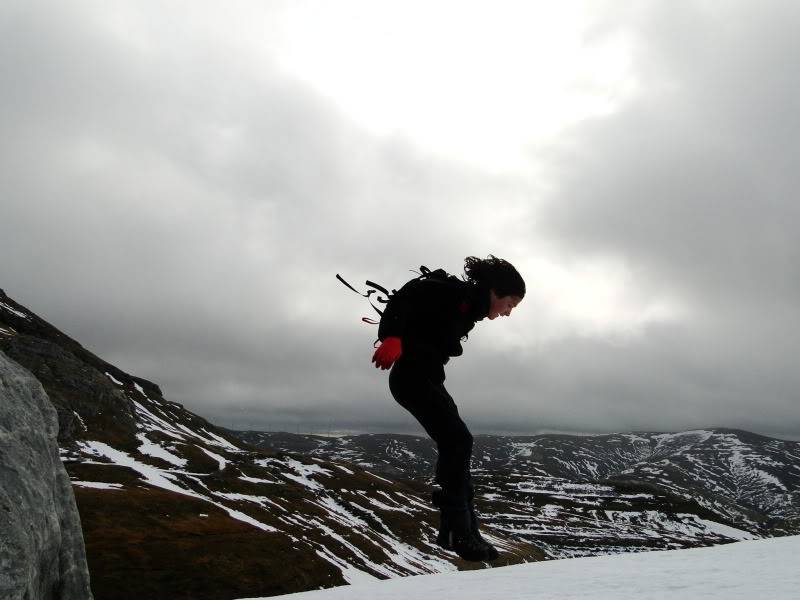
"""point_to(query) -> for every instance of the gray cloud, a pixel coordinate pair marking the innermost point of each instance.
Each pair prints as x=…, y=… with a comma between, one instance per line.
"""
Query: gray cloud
x=693, y=186
x=182, y=211
x=696, y=177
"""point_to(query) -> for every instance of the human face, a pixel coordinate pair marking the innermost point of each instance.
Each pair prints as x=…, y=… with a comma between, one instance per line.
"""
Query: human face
x=501, y=307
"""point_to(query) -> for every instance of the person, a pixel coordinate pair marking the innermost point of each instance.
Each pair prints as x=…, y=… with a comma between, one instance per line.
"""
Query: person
x=421, y=328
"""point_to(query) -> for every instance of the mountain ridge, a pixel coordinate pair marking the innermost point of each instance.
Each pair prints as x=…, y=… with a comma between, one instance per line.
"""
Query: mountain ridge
x=743, y=479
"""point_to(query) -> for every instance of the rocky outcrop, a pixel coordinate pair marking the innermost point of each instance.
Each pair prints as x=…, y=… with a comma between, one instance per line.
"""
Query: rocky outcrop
x=42, y=554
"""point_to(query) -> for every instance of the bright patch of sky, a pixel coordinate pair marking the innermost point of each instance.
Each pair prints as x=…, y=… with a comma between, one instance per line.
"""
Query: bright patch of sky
x=468, y=81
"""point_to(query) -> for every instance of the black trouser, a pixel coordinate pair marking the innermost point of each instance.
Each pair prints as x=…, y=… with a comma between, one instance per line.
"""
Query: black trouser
x=418, y=386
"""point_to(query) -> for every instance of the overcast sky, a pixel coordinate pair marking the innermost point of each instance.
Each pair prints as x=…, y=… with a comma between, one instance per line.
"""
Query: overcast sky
x=181, y=181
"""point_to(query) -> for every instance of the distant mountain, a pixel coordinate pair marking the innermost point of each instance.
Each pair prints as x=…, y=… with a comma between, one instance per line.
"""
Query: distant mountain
x=174, y=507
x=586, y=495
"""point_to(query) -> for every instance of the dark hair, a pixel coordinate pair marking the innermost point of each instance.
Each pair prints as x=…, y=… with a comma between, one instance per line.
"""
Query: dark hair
x=495, y=273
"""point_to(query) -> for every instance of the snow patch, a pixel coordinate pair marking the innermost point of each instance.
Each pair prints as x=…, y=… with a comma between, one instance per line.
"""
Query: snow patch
x=257, y=480
x=151, y=449
x=14, y=311
x=727, y=531
x=97, y=485
x=158, y=424
x=221, y=461
x=378, y=477
x=302, y=472
x=220, y=441
x=80, y=420
x=114, y=379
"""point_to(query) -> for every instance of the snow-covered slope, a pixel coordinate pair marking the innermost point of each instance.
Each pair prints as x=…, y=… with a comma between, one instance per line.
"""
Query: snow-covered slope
x=173, y=506
x=740, y=571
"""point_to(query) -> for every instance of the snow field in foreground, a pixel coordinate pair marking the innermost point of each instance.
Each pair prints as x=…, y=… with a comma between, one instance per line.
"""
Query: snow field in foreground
x=740, y=571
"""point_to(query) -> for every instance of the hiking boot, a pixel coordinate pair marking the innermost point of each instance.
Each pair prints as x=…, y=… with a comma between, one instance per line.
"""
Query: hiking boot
x=458, y=529
x=472, y=547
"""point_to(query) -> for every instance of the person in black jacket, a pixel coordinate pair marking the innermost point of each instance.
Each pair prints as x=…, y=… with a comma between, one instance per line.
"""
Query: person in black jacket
x=421, y=328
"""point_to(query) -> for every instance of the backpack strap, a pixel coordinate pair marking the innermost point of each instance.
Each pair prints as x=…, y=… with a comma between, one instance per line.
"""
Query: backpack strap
x=374, y=288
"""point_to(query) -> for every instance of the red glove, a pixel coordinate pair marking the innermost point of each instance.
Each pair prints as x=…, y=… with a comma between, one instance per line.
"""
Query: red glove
x=389, y=351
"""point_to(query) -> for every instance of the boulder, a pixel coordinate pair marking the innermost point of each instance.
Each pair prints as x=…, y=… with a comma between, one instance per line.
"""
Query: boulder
x=42, y=555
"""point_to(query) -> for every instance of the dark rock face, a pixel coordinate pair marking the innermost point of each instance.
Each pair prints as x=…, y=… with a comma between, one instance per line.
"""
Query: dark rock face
x=42, y=555
x=77, y=381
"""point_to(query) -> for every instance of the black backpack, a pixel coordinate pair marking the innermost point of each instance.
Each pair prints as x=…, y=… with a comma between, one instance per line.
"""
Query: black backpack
x=374, y=288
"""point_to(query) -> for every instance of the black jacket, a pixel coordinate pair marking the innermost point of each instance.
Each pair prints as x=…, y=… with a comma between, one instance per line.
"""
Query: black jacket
x=431, y=316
